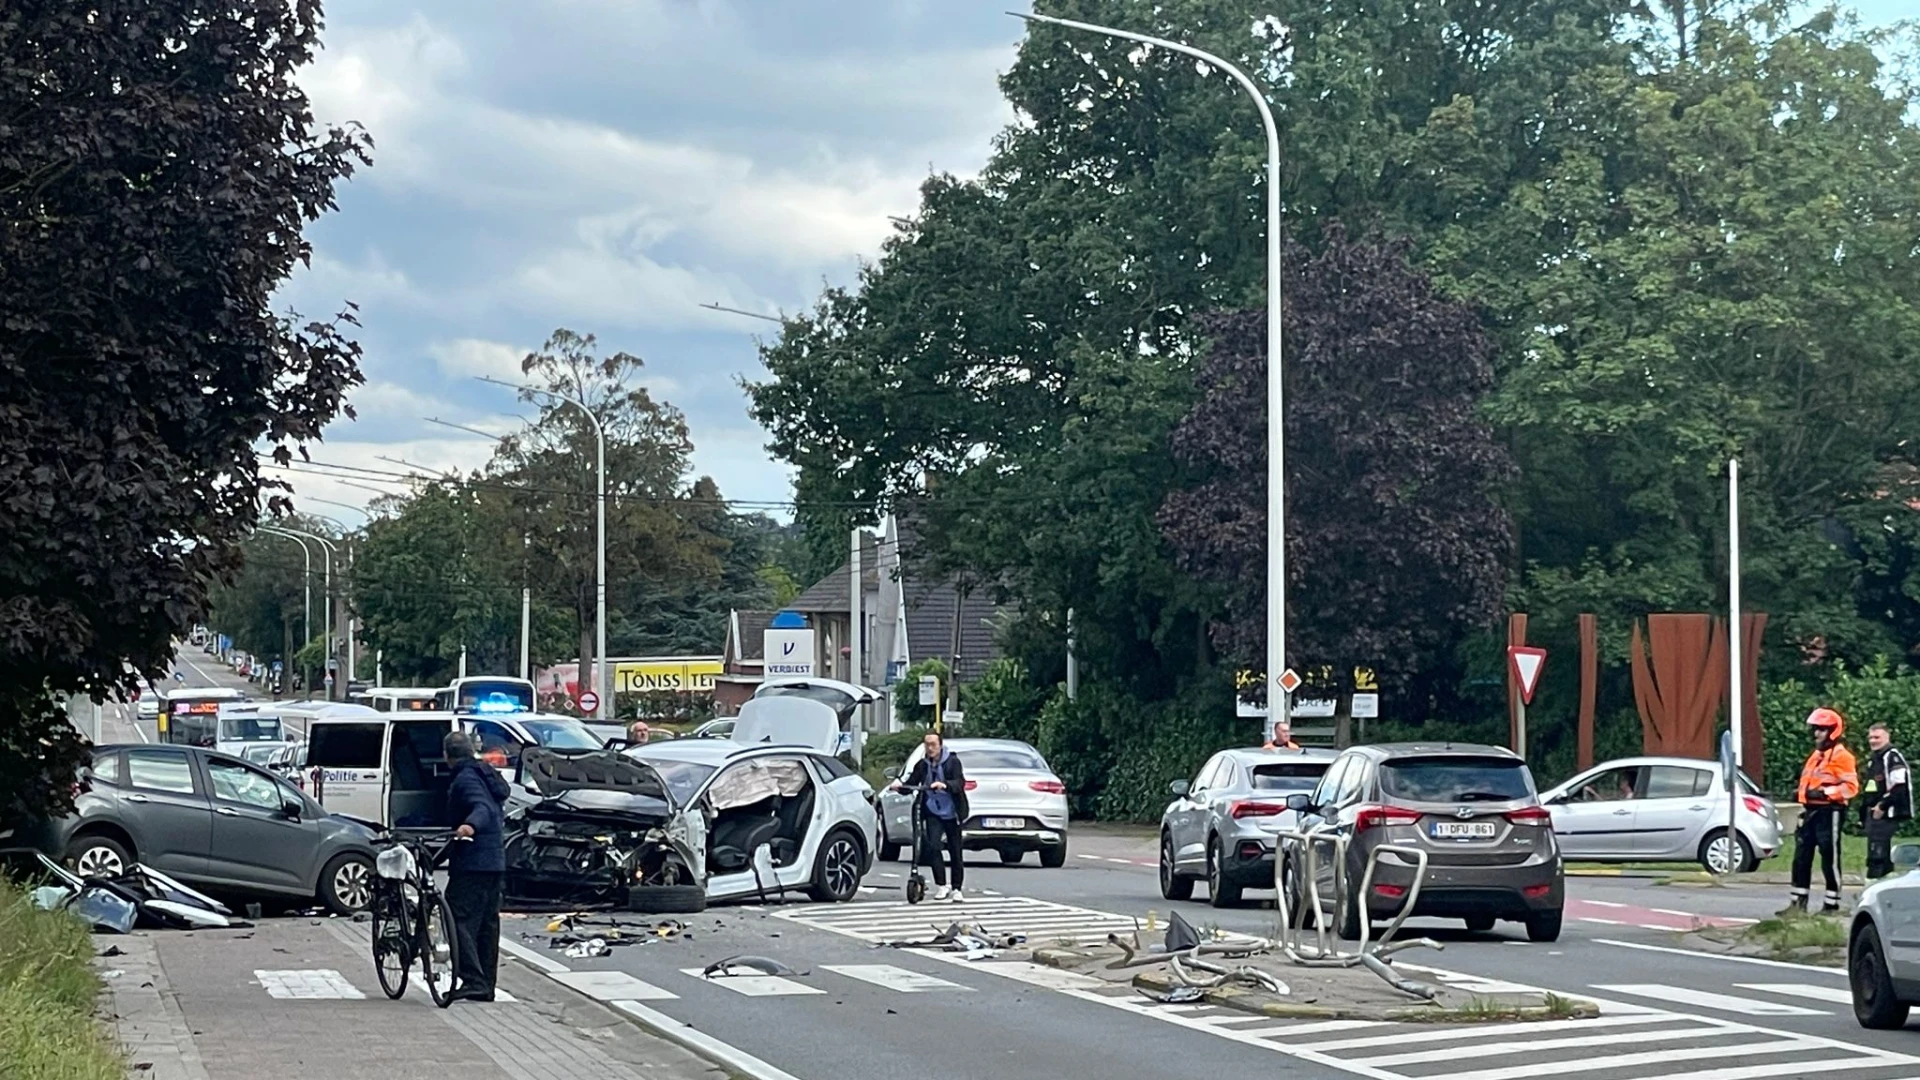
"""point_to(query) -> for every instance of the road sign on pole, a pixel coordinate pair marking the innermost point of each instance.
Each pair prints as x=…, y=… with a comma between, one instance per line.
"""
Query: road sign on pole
x=929, y=689
x=1290, y=680
x=1526, y=663
x=589, y=703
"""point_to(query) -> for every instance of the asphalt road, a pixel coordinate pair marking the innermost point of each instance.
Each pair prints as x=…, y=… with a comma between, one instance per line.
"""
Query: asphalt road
x=863, y=1011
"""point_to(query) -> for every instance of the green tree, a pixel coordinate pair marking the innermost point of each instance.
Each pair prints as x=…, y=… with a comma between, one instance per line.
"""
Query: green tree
x=158, y=164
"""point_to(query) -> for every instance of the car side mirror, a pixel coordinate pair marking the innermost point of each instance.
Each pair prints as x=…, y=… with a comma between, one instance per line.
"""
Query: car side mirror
x=292, y=809
x=891, y=772
x=1299, y=803
x=1179, y=788
x=1906, y=856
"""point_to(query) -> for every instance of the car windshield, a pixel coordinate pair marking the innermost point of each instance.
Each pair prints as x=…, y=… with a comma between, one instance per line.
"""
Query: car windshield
x=250, y=729
x=1288, y=775
x=562, y=735
x=260, y=755
x=1000, y=757
x=1456, y=779
x=683, y=777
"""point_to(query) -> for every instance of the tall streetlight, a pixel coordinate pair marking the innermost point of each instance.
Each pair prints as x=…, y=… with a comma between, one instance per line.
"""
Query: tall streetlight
x=327, y=553
x=306, y=582
x=352, y=622
x=600, y=671
x=1277, y=698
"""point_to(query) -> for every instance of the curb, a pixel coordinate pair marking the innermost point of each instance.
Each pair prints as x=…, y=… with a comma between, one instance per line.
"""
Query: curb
x=691, y=1039
x=1258, y=1004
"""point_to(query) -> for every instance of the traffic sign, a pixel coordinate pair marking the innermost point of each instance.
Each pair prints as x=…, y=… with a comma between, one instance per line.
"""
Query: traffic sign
x=1290, y=680
x=589, y=702
x=929, y=690
x=1526, y=663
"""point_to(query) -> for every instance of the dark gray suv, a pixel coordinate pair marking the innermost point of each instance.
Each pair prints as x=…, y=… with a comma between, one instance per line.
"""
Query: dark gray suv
x=211, y=820
x=1472, y=809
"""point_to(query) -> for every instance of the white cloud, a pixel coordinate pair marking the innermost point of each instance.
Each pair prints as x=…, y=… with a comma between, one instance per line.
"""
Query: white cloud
x=470, y=357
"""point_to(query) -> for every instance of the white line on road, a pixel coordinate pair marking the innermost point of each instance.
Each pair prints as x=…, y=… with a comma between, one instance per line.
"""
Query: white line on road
x=551, y=967
x=755, y=985
x=1451, y=1033
x=699, y=1042
x=1835, y=994
x=1797, y=1069
x=1501, y=1047
x=894, y=978
x=1698, y=955
x=611, y=986
x=1707, y=999
x=1531, y=1070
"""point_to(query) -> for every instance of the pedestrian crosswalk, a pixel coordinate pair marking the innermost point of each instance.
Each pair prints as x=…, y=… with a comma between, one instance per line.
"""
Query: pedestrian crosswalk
x=1041, y=922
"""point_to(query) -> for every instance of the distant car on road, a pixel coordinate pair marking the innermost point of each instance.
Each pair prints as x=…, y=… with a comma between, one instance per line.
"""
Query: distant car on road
x=1883, y=958
x=1489, y=843
x=1018, y=803
x=721, y=728
x=211, y=820
x=1220, y=826
x=1661, y=809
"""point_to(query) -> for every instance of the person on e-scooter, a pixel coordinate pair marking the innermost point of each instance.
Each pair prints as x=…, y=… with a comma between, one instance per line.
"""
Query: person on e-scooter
x=942, y=799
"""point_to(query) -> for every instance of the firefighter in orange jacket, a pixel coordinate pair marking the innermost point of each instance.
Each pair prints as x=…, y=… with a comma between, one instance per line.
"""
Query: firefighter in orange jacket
x=1828, y=781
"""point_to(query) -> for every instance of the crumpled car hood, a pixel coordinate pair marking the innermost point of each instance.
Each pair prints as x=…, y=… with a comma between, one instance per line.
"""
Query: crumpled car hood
x=548, y=773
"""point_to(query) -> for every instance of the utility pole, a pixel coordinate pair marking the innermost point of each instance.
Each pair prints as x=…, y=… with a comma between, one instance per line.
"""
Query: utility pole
x=526, y=610
x=1073, y=661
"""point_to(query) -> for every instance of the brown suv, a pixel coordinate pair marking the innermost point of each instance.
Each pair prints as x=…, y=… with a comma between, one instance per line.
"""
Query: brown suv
x=1489, y=844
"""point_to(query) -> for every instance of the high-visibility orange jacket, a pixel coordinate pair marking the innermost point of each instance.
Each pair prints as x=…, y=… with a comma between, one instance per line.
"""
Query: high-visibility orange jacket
x=1830, y=777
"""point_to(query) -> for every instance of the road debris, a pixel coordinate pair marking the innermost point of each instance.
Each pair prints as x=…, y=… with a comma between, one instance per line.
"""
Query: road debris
x=140, y=897
x=748, y=966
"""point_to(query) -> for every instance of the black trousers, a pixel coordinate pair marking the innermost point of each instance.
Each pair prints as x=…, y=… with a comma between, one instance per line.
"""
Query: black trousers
x=937, y=836
x=1880, y=845
x=1818, y=832
x=475, y=900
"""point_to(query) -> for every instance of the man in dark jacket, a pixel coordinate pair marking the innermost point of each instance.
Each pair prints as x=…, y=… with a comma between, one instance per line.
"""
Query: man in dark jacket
x=476, y=866
x=1888, y=799
x=943, y=807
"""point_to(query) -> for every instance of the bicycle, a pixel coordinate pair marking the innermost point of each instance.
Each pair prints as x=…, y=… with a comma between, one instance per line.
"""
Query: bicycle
x=411, y=919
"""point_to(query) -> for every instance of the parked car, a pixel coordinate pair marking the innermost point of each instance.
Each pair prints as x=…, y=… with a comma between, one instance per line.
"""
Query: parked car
x=721, y=728
x=1490, y=847
x=210, y=820
x=1018, y=804
x=1883, y=955
x=1661, y=809
x=1221, y=825
x=778, y=810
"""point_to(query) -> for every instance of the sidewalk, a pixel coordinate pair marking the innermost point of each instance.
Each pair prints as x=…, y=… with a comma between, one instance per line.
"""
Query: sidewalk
x=297, y=998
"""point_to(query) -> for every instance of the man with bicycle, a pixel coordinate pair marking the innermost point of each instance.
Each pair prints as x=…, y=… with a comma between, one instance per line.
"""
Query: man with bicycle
x=476, y=866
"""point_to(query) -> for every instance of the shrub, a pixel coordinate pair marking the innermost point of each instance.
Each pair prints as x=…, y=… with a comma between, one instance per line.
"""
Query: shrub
x=906, y=693
x=1003, y=703
x=1875, y=694
x=47, y=990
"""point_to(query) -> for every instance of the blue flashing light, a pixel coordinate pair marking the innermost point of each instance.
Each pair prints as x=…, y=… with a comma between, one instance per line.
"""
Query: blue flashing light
x=498, y=702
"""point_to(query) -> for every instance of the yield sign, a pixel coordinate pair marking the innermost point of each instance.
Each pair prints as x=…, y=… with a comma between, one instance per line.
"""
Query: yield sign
x=1526, y=663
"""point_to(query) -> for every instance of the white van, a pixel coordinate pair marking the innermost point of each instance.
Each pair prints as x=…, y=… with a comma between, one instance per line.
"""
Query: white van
x=396, y=699
x=386, y=768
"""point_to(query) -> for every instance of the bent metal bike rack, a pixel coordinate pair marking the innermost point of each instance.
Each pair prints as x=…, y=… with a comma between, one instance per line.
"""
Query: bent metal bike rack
x=1367, y=952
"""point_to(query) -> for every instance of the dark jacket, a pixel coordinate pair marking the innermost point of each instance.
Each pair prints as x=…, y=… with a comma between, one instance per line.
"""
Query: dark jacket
x=952, y=775
x=1888, y=784
x=475, y=797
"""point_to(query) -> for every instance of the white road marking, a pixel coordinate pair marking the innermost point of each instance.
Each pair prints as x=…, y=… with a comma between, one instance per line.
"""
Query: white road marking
x=1707, y=999
x=1450, y=1033
x=755, y=985
x=1605, y=922
x=894, y=978
x=1610, y=903
x=611, y=986
x=1698, y=955
x=1532, y=1070
x=1315, y=1027
x=1787, y=1068
x=699, y=1042
x=317, y=984
x=1498, y=1047
x=551, y=967
x=1835, y=994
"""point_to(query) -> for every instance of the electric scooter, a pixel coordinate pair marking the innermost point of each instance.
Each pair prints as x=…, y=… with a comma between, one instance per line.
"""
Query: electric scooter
x=916, y=881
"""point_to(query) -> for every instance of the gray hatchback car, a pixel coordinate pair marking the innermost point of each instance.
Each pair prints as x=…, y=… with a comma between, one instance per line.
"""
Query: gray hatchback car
x=1472, y=809
x=211, y=820
x=1221, y=825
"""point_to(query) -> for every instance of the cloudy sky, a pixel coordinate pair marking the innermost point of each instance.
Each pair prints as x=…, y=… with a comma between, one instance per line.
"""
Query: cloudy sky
x=609, y=166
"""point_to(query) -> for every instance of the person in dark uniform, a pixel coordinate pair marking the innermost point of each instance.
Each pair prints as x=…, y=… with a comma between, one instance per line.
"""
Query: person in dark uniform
x=476, y=865
x=1887, y=797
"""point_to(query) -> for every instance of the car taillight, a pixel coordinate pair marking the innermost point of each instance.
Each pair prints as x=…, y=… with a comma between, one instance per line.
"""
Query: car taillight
x=1391, y=892
x=1373, y=817
x=971, y=785
x=1754, y=804
x=1531, y=815
x=1256, y=809
x=1048, y=787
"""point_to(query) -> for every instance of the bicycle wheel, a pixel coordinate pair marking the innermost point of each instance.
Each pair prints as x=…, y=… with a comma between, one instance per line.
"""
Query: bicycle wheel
x=391, y=954
x=439, y=949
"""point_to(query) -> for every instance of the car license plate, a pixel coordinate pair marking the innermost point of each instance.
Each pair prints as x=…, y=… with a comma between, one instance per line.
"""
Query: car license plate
x=1003, y=822
x=1463, y=830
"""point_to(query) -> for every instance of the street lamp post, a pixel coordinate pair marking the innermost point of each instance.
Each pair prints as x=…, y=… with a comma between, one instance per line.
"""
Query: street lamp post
x=327, y=552
x=1277, y=698
x=600, y=680
x=352, y=621
x=306, y=582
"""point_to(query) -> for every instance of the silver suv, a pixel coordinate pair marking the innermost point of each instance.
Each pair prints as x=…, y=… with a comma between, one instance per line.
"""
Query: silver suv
x=1220, y=826
x=1472, y=809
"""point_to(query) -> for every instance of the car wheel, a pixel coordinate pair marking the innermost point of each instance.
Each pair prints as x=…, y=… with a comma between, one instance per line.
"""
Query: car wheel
x=836, y=869
x=1350, y=919
x=98, y=856
x=1296, y=897
x=1713, y=854
x=1480, y=924
x=346, y=885
x=1544, y=926
x=667, y=899
x=1172, y=885
x=1875, y=1004
x=1053, y=858
x=1011, y=856
x=1220, y=893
